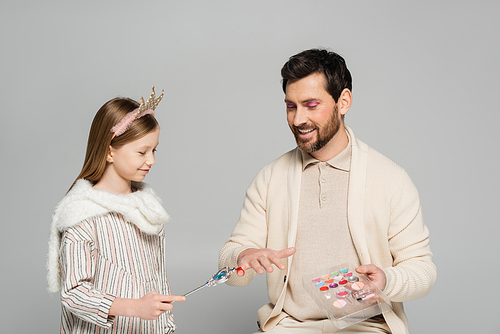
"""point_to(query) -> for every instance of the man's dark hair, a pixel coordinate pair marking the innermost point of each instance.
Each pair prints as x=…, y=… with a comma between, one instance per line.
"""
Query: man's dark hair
x=312, y=61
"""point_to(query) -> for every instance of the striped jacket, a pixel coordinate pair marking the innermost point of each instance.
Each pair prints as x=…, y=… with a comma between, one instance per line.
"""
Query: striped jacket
x=104, y=246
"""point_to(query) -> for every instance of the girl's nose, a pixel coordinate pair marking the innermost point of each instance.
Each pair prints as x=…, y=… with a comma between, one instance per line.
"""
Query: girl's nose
x=151, y=160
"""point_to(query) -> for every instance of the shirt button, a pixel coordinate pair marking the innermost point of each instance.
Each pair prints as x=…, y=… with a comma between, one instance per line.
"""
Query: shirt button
x=323, y=197
x=323, y=179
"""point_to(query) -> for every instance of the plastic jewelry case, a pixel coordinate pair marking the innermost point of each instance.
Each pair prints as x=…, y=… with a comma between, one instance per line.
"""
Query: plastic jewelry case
x=345, y=296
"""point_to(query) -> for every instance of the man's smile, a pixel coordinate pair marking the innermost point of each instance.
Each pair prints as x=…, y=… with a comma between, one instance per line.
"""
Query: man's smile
x=306, y=131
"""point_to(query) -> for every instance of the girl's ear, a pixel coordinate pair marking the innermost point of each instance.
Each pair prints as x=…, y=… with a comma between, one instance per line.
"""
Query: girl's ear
x=109, y=157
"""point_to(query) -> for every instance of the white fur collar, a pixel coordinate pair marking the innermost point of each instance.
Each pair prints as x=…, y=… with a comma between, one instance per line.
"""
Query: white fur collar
x=142, y=208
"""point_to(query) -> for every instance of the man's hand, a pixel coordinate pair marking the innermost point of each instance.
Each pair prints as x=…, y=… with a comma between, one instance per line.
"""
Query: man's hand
x=260, y=259
x=374, y=273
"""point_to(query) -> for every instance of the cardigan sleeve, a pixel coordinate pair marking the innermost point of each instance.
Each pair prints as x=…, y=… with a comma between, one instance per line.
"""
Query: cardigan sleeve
x=413, y=273
x=250, y=230
x=78, y=295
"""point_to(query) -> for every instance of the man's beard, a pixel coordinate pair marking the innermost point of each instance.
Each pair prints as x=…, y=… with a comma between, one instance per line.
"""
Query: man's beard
x=323, y=136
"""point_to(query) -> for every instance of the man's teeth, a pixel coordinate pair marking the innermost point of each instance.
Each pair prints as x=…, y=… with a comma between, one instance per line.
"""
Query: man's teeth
x=306, y=131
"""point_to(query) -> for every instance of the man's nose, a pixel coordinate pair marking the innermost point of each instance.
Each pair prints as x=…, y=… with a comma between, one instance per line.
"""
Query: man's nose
x=300, y=116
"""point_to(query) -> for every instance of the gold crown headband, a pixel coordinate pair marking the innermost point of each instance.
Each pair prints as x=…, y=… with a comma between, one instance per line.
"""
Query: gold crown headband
x=145, y=108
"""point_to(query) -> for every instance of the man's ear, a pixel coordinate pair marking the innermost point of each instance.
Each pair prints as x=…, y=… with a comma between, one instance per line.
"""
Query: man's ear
x=109, y=156
x=344, y=101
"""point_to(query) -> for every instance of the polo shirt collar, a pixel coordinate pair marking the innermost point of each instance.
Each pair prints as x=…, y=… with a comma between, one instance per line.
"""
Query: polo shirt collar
x=341, y=161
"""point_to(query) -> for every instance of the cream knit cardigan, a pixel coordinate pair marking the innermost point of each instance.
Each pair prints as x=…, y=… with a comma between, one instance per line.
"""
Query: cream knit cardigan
x=384, y=218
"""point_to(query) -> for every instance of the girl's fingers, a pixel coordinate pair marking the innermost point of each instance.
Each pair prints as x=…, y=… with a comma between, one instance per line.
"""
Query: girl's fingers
x=172, y=298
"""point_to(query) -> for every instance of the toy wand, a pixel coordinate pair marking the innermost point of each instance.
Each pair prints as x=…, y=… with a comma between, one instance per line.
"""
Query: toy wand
x=219, y=277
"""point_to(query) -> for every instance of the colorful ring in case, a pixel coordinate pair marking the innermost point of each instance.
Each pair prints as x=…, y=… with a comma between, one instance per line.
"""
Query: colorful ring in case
x=342, y=293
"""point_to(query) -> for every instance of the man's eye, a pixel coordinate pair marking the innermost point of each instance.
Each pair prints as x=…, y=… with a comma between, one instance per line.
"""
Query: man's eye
x=290, y=105
x=312, y=105
x=141, y=153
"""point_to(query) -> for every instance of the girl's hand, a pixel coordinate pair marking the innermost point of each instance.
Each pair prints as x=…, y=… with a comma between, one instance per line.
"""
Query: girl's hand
x=152, y=305
x=149, y=307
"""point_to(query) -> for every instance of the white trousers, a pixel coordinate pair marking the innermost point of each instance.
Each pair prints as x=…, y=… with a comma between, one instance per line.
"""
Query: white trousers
x=292, y=326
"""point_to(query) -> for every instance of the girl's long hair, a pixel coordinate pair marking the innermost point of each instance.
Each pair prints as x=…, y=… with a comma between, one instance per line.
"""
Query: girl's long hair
x=101, y=137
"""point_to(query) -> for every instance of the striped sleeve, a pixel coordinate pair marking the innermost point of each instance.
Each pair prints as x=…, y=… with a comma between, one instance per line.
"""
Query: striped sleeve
x=78, y=295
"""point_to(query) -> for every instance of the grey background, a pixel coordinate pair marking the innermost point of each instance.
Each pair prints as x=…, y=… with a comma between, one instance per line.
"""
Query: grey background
x=426, y=83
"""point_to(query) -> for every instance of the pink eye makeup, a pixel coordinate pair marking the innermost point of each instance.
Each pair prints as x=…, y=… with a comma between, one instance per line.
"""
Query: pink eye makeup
x=290, y=105
x=312, y=104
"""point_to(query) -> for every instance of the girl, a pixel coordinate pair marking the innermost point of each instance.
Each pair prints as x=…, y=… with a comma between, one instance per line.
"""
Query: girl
x=106, y=249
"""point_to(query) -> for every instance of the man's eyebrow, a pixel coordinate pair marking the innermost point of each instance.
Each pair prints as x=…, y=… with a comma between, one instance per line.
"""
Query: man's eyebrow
x=312, y=99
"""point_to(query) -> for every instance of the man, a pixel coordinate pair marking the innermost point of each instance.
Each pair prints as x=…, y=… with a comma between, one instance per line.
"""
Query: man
x=331, y=200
